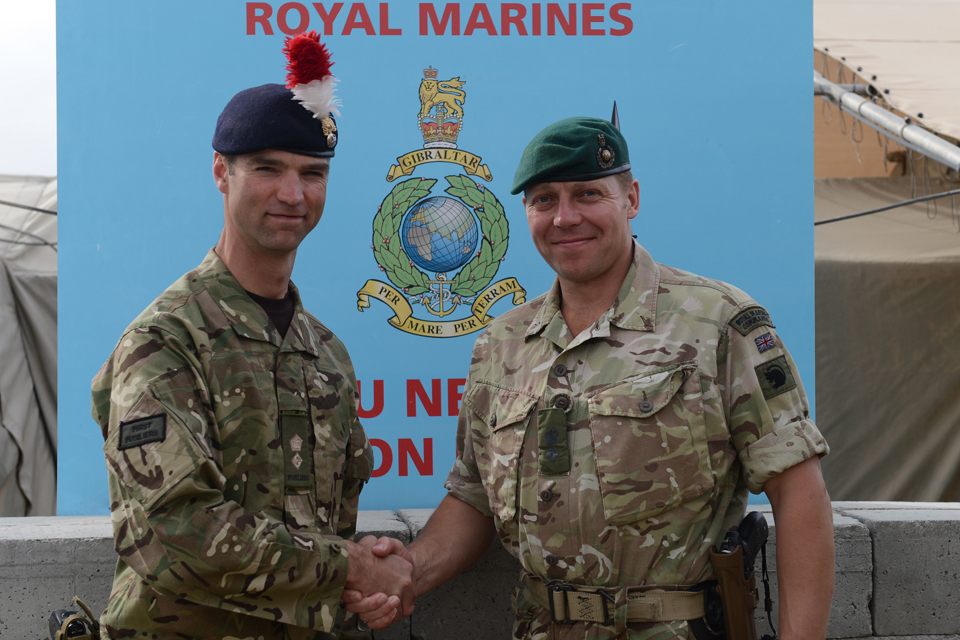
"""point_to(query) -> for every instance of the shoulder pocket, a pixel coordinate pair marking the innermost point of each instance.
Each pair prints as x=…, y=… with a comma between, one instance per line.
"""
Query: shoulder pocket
x=649, y=437
x=148, y=471
x=500, y=424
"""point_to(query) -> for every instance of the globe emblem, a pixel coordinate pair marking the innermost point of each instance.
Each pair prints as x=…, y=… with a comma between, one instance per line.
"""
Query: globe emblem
x=439, y=234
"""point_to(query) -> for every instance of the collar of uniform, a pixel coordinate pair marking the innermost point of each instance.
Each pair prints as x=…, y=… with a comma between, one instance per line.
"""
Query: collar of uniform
x=634, y=308
x=246, y=317
x=636, y=304
x=549, y=317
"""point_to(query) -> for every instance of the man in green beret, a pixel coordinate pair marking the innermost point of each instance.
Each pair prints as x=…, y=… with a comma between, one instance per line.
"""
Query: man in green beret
x=612, y=428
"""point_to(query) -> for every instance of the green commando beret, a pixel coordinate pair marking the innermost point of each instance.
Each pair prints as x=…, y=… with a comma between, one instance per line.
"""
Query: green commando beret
x=575, y=149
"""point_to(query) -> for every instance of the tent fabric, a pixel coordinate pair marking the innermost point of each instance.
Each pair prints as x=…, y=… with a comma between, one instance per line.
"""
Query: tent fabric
x=888, y=335
x=911, y=46
x=28, y=347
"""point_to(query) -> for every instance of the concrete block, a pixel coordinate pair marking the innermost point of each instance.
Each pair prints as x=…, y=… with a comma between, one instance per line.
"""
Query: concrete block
x=850, y=610
x=44, y=562
x=379, y=524
x=916, y=567
x=382, y=523
x=473, y=606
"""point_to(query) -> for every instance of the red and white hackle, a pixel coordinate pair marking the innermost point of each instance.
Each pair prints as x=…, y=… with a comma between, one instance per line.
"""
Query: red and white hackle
x=309, y=74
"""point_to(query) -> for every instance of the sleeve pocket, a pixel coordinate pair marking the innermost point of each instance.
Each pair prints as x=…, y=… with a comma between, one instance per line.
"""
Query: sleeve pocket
x=150, y=470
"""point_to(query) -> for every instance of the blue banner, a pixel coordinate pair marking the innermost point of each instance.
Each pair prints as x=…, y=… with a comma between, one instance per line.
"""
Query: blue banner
x=713, y=99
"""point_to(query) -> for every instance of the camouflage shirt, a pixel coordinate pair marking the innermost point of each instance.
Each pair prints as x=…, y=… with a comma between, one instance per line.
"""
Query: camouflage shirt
x=619, y=457
x=235, y=464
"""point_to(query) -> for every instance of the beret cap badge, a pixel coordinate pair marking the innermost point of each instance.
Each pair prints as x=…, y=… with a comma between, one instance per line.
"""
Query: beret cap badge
x=605, y=154
x=329, y=130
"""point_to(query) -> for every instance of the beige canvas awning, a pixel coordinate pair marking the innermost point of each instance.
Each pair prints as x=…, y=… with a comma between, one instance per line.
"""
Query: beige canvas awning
x=28, y=348
x=911, y=46
x=888, y=339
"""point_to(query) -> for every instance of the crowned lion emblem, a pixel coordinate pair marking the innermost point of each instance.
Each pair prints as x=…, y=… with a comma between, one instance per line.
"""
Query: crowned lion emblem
x=435, y=92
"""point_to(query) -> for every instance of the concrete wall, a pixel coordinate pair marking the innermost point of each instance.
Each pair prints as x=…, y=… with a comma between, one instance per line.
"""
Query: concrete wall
x=898, y=575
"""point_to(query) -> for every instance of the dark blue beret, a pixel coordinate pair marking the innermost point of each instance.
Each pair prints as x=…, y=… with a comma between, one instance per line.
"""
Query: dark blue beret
x=267, y=117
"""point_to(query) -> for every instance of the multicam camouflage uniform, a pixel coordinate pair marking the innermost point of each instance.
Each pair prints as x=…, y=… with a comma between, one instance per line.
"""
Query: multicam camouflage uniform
x=235, y=464
x=668, y=426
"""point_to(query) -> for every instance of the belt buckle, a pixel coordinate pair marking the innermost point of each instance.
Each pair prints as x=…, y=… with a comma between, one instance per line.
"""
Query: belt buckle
x=557, y=588
x=605, y=598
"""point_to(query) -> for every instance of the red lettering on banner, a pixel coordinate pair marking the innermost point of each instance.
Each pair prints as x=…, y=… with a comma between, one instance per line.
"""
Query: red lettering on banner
x=589, y=19
x=386, y=457
x=377, y=401
x=283, y=13
x=454, y=385
x=358, y=18
x=451, y=13
x=328, y=17
x=385, y=29
x=480, y=18
x=567, y=23
x=512, y=14
x=617, y=16
x=516, y=18
x=415, y=390
x=263, y=19
x=406, y=449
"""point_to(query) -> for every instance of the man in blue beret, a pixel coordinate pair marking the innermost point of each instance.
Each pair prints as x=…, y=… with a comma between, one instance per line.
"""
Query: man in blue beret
x=229, y=415
x=612, y=428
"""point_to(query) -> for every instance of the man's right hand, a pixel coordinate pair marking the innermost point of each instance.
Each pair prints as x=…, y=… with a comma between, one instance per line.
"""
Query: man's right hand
x=378, y=610
x=451, y=542
x=380, y=576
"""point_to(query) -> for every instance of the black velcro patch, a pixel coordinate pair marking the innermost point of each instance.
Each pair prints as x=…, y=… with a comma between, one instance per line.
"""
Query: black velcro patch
x=142, y=431
x=751, y=318
x=775, y=377
x=554, y=449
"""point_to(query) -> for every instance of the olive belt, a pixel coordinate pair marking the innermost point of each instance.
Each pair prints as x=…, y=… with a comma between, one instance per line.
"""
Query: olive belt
x=575, y=603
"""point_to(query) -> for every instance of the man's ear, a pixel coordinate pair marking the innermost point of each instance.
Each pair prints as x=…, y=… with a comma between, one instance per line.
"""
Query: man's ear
x=220, y=171
x=633, y=199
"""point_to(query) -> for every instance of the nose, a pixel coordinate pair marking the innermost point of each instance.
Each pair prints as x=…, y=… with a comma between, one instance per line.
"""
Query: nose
x=567, y=214
x=290, y=190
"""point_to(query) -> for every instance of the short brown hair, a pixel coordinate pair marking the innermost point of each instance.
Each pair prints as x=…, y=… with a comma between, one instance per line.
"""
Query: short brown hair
x=624, y=180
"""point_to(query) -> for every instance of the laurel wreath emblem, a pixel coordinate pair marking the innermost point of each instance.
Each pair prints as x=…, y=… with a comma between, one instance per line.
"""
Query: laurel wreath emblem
x=476, y=274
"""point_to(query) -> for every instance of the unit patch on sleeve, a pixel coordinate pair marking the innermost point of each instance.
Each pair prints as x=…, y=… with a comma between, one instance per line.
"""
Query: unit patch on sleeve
x=142, y=431
x=775, y=377
x=751, y=318
x=765, y=342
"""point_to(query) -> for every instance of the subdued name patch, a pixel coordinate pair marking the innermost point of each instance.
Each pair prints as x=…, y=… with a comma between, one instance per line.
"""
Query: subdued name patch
x=775, y=377
x=142, y=431
x=751, y=318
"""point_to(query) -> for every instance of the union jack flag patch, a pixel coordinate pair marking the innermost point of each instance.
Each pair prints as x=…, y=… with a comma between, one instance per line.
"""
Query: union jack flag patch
x=764, y=342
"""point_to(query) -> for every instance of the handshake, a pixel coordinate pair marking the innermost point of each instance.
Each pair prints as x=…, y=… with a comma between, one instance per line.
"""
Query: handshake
x=381, y=586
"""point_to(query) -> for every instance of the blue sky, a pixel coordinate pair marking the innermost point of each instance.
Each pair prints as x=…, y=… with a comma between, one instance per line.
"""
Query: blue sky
x=28, y=75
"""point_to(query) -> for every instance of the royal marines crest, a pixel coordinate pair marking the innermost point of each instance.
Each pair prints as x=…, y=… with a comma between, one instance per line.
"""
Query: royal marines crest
x=440, y=253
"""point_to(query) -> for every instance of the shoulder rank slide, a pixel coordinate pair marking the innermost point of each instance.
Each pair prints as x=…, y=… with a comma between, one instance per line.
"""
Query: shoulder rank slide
x=142, y=431
x=751, y=318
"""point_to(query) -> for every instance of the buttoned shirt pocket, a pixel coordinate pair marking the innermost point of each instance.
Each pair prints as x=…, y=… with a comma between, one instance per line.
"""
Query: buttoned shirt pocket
x=501, y=416
x=649, y=438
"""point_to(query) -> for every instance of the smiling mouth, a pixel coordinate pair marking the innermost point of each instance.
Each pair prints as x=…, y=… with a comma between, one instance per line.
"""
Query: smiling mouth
x=571, y=242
